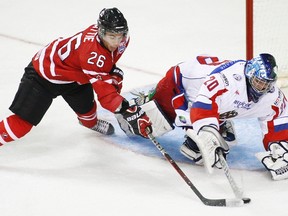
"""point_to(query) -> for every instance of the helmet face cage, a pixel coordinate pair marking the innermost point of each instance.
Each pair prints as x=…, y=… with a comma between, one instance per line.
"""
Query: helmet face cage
x=112, y=20
x=261, y=74
x=259, y=85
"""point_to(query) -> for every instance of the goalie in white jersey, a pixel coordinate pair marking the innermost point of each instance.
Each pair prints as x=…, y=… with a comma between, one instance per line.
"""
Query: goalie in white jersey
x=204, y=93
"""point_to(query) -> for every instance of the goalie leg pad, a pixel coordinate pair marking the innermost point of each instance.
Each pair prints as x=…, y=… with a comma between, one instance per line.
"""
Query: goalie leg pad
x=160, y=124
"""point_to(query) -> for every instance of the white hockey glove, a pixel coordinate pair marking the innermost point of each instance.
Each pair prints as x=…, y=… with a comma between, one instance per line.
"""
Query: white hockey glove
x=276, y=159
x=210, y=144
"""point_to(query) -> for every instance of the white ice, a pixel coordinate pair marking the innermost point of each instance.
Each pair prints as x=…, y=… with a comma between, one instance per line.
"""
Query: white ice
x=61, y=168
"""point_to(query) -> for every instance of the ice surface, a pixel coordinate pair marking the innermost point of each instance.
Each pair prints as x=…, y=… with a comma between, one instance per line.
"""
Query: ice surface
x=61, y=168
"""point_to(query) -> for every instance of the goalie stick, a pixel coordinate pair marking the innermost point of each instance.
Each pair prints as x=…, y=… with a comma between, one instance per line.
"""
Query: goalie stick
x=205, y=201
x=237, y=191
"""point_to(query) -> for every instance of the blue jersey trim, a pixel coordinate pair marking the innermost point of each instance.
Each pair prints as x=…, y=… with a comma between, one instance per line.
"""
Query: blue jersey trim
x=225, y=66
x=281, y=127
x=202, y=105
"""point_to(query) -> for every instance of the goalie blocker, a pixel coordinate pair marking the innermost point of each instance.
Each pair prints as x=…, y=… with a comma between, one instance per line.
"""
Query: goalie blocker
x=160, y=124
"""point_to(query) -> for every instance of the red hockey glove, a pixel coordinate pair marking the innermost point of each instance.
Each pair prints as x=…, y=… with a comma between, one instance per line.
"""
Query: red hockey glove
x=117, y=77
x=138, y=122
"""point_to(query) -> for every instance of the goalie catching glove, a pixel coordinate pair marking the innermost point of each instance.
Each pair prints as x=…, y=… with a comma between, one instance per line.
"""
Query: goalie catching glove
x=134, y=118
x=210, y=144
x=276, y=159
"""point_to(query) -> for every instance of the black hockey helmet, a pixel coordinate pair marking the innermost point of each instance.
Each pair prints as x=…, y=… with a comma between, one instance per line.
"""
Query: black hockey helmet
x=112, y=20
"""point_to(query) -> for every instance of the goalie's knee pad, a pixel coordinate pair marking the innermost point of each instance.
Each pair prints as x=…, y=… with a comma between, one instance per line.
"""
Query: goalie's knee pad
x=190, y=150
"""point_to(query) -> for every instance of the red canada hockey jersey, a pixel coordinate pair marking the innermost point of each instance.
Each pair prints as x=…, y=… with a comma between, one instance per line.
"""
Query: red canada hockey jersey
x=82, y=59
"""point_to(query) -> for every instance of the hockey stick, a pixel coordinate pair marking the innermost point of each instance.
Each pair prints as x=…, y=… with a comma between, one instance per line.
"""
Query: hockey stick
x=237, y=191
x=206, y=201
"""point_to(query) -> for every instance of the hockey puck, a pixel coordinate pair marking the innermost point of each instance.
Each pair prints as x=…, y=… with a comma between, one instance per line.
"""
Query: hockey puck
x=246, y=200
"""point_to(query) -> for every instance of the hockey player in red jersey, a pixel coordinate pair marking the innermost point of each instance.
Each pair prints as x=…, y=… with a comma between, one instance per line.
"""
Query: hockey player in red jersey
x=75, y=68
x=205, y=93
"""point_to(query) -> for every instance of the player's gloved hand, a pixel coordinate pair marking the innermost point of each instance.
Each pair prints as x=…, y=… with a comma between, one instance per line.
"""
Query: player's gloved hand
x=276, y=159
x=117, y=77
x=137, y=120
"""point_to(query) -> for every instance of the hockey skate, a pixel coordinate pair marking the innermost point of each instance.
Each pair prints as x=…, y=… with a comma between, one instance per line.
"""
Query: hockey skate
x=103, y=127
x=190, y=150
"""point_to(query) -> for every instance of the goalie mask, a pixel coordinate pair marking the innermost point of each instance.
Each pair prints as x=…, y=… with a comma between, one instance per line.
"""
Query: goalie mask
x=112, y=20
x=261, y=75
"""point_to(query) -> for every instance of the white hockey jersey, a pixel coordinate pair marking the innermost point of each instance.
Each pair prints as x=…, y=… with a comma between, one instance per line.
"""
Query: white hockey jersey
x=216, y=91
